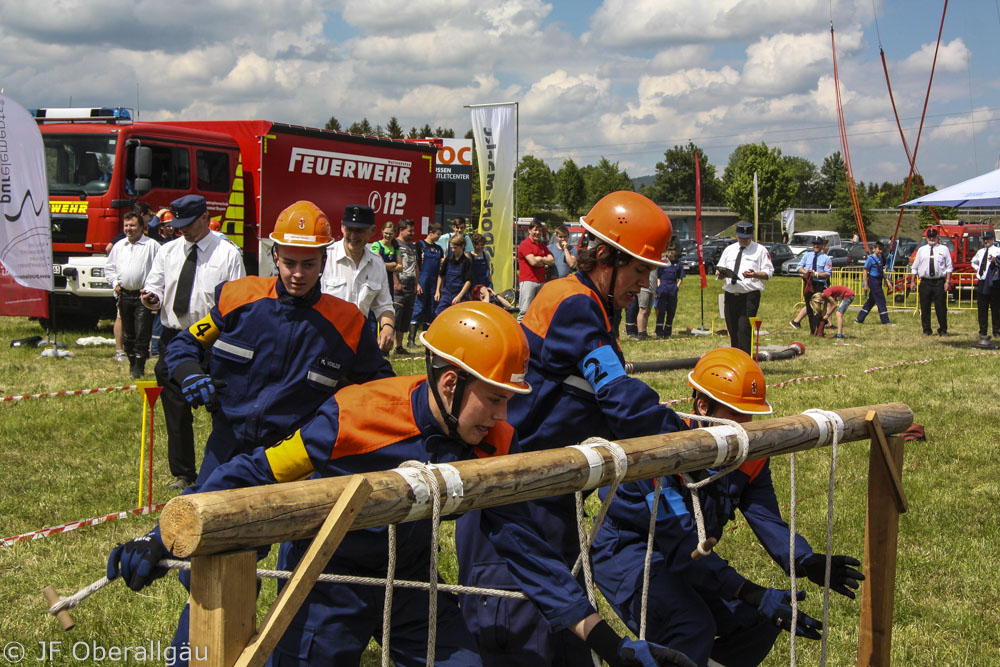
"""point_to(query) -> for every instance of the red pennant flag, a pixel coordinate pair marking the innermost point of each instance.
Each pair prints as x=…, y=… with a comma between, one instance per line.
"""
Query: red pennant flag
x=697, y=220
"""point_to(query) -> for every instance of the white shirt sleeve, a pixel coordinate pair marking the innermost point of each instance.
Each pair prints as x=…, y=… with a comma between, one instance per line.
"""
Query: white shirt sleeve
x=155, y=280
x=110, y=270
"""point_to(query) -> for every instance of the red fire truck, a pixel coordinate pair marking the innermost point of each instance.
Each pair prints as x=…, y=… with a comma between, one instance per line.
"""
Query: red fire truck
x=100, y=163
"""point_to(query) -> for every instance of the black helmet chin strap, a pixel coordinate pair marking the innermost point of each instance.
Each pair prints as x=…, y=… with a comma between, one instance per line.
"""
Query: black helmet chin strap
x=451, y=416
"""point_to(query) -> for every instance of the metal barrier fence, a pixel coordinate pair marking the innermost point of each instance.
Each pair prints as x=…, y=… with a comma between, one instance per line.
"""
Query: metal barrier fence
x=960, y=297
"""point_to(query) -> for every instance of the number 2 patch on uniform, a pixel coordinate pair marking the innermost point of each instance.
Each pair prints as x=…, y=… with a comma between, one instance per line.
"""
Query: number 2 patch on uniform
x=601, y=366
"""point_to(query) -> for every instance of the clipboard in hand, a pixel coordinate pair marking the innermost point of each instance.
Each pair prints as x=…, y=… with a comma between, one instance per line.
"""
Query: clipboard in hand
x=724, y=272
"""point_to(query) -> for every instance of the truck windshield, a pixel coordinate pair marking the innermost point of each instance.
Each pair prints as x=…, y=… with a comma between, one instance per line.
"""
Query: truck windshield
x=79, y=163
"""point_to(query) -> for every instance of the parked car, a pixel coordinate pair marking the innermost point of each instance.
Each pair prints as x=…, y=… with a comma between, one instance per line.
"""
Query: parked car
x=711, y=249
x=780, y=253
x=856, y=251
x=788, y=267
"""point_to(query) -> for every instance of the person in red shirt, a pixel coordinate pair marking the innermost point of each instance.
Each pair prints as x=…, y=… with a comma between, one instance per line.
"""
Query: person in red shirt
x=533, y=256
x=825, y=303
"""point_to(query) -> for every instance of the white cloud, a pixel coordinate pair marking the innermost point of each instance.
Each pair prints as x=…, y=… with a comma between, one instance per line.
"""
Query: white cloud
x=953, y=56
x=786, y=62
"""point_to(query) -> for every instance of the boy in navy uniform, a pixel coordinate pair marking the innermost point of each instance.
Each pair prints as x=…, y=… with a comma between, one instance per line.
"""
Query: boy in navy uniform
x=429, y=256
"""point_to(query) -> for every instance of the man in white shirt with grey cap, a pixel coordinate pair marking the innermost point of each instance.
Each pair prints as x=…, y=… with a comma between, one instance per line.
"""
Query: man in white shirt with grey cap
x=744, y=266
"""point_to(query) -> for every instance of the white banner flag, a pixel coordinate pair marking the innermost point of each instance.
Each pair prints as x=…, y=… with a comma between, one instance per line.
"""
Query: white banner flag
x=788, y=221
x=25, y=234
x=495, y=131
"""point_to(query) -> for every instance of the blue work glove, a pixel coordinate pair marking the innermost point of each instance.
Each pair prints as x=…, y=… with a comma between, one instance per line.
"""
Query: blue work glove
x=137, y=560
x=843, y=576
x=198, y=389
x=625, y=652
x=776, y=605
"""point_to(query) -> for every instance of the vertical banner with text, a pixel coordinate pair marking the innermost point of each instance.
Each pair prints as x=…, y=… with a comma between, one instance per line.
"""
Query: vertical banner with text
x=495, y=131
x=25, y=234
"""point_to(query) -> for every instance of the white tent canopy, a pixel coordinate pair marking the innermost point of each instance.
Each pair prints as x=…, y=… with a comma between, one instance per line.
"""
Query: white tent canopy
x=979, y=191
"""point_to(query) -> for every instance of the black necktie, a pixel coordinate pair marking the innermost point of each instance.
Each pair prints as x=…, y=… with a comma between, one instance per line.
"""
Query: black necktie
x=815, y=259
x=985, y=264
x=736, y=267
x=182, y=297
x=932, y=261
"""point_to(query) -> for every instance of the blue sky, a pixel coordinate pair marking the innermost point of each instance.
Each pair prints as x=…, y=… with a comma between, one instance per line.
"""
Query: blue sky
x=622, y=79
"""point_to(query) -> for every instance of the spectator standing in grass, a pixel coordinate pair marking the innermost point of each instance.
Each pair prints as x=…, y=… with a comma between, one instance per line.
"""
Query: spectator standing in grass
x=747, y=266
x=454, y=277
x=706, y=608
x=986, y=264
x=874, y=277
x=638, y=310
x=182, y=285
x=563, y=253
x=406, y=284
x=429, y=256
x=482, y=267
x=669, y=279
x=356, y=274
x=129, y=262
x=388, y=249
x=932, y=264
x=532, y=259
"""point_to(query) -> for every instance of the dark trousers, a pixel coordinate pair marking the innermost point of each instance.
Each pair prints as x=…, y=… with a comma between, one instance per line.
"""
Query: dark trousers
x=137, y=325
x=987, y=303
x=730, y=632
x=666, y=308
x=876, y=297
x=177, y=414
x=932, y=290
x=739, y=308
x=632, y=317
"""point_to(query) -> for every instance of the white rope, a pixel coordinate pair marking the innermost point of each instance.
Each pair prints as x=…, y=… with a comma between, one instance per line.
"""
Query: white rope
x=648, y=561
x=390, y=573
x=791, y=559
x=428, y=472
x=620, y=460
x=835, y=426
x=743, y=440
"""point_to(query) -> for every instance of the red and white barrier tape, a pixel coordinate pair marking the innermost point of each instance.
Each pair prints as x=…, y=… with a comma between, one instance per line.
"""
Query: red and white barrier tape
x=65, y=528
x=75, y=392
x=897, y=364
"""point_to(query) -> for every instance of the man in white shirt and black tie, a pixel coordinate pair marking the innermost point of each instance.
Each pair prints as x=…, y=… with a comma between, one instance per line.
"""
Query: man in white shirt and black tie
x=743, y=267
x=932, y=264
x=182, y=285
x=129, y=262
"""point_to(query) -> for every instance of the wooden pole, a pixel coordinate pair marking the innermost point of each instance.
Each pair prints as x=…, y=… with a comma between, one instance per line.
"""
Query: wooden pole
x=881, y=534
x=306, y=572
x=220, y=521
x=223, y=607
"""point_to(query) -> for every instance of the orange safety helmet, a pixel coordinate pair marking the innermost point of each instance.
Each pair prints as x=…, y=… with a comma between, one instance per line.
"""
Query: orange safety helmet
x=302, y=224
x=632, y=223
x=215, y=224
x=729, y=376
x=166, y=217
x=484, y=340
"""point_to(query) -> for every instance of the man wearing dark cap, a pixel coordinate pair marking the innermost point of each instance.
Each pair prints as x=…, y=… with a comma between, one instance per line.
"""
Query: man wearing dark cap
x=743, y=268
x=986, y=265
x=355, y=274
x=182, y=285
x=932, y=264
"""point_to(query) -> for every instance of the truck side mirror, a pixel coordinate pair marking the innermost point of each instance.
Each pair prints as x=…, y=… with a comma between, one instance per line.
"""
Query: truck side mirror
x=143, y=162
x=142, y=186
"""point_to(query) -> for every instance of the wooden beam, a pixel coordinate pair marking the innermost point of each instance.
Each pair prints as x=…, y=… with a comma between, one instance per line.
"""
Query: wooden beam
x=223, y=607
x=879, y=566
x=304, y=577
x=220, y=521
x=878, y=439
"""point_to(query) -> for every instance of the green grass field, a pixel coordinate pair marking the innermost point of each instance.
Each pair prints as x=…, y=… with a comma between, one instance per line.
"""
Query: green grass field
x=73, y=458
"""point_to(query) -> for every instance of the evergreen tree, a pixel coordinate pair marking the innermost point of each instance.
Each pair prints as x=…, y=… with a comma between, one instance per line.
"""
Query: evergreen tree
x=393, y=130
x=332, y=124
x=364, y=127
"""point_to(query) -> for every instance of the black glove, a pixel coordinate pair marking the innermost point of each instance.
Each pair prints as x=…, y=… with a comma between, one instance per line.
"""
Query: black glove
x=776, y=605
x=137, y=560
x=843, y=576
x=625, y=652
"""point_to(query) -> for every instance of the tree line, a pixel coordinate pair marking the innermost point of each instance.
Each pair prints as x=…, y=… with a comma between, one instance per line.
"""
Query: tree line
x=784, y=181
